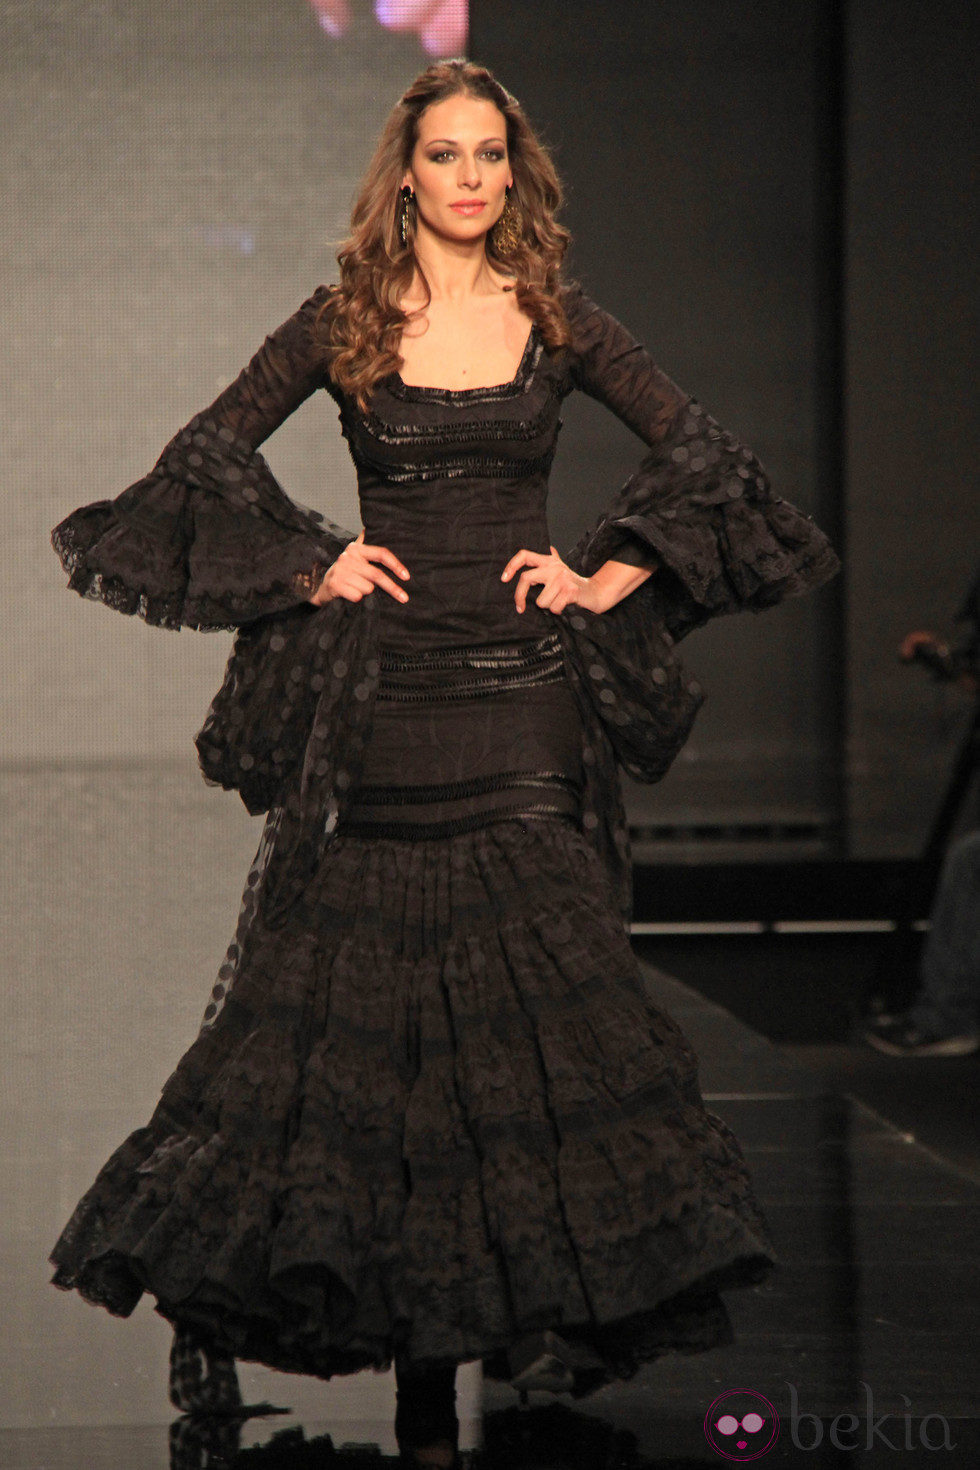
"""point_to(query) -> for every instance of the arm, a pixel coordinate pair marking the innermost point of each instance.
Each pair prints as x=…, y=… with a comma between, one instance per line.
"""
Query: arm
x=281, y=375
x=209, y=539
x=699, y=507
x=617, y=578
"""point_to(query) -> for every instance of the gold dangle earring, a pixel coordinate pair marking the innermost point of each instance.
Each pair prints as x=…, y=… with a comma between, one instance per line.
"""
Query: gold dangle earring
x=508, y=232
x=407, y=198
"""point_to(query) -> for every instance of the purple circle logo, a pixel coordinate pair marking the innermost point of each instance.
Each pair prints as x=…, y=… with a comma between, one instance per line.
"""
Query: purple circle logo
x=741, y=1425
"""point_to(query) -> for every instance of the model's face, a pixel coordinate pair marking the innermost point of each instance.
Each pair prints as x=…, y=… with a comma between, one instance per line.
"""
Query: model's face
x=460, y=168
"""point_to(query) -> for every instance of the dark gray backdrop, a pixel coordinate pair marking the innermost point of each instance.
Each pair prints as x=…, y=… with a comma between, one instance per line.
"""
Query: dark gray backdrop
x=774, y=197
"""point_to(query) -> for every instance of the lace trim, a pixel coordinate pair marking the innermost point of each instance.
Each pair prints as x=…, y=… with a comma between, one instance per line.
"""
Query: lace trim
x=429, y=435
x=310, y=581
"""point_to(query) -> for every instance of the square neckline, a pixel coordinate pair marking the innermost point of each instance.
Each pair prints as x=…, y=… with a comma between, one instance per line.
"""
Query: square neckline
x=525, y=367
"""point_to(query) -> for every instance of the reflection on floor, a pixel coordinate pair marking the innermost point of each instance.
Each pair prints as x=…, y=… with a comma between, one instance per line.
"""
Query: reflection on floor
x=865, y=1337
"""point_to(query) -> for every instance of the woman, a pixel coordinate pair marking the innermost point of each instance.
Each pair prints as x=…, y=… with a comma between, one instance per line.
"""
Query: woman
x=431, y=1114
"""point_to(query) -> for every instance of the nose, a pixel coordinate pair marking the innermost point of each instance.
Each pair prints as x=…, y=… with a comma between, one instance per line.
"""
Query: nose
x=468, y=175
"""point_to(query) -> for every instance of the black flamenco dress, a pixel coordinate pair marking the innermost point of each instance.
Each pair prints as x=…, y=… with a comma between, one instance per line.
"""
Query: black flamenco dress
x=431, y=1109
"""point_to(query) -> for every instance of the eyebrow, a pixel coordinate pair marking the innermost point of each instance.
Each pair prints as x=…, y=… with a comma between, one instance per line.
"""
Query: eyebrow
x=455, y=144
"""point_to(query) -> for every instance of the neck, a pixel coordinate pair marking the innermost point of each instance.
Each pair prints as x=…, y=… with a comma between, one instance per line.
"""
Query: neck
x=454, y=269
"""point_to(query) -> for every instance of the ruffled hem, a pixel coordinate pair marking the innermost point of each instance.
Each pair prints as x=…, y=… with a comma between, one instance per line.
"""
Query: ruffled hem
x=208, y=540
x=109, y=562
x=700, y=513
x=432, y=1113
x=761, y=555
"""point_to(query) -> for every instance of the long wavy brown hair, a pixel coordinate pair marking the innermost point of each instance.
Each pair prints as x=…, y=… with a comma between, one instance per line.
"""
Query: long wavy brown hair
x=361, y=323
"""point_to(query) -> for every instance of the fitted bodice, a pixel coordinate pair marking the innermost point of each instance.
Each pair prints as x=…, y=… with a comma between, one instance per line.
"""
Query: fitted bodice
x=455, y=481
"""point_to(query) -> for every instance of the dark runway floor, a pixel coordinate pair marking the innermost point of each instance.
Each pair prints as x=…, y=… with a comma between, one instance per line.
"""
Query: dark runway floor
x=864, y=1342
x=806, y=991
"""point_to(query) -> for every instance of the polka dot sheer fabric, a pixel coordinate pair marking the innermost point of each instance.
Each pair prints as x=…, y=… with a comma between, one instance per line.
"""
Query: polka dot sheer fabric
x=430, y=1105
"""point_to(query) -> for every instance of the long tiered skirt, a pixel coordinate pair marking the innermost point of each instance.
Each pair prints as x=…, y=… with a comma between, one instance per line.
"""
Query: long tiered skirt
x=433, y=1112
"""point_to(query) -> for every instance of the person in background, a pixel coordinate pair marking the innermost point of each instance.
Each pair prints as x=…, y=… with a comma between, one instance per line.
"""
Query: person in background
x=942, y=1020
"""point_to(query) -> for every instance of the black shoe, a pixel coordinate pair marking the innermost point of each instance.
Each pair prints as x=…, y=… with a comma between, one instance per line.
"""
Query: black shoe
x=899, y=1036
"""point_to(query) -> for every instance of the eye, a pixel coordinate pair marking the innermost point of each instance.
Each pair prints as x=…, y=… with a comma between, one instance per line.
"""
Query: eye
x=494, y=154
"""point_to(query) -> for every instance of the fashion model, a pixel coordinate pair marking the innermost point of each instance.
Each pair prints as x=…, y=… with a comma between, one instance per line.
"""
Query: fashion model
x=431, y=1115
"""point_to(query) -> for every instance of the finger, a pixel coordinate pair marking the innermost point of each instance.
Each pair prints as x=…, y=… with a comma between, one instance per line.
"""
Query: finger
x=357, y=582
x=324, y=594
x=524, y=584
x=518, y=560
x=556, y=595
x=529, y=578
x=382, y=554
x=532, y=560
x=381, y=579
x=568, y=597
